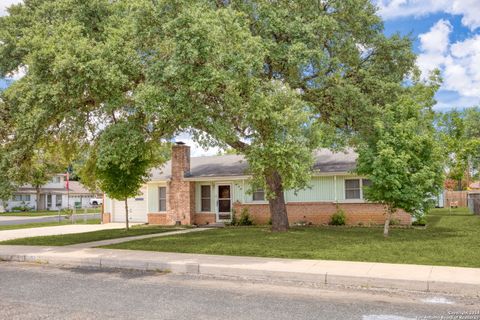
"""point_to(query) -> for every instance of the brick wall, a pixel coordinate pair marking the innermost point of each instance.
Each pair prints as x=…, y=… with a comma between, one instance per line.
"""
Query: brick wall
x=205, y=218
x=106, y=218
x=320, y=212
x=159, y=218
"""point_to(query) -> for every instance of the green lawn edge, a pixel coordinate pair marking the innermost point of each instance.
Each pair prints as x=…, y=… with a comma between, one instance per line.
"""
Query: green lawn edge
x=84, y=237
x=45, y=213
x=45, y=224
x=450, y=239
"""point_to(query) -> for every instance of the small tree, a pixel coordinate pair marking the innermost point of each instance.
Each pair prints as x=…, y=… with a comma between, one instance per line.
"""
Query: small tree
x=122, y=161
x=402, y=159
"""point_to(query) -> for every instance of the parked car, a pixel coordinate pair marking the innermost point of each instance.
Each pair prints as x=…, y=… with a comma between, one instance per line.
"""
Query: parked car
x=96, y=201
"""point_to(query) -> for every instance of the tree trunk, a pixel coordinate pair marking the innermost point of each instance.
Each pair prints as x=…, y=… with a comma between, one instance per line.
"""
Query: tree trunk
x=126, y=214
x=37, y=190
x=278, y=209
x=388, y=218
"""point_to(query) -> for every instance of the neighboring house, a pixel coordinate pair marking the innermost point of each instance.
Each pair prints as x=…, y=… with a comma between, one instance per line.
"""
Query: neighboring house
x=475, y=186
x=53, y=195
x=206, y=190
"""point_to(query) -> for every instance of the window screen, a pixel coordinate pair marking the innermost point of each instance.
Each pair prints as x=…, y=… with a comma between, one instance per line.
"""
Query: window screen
x=162, y=199
x=352, y=189
x=259, y=195
x=206, y=199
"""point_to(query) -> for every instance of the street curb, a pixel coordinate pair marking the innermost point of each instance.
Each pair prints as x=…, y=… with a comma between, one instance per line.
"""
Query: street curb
x=211, y=269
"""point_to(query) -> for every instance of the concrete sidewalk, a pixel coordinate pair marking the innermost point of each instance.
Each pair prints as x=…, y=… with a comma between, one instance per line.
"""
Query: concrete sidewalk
x=57, y=230
x=464, y=281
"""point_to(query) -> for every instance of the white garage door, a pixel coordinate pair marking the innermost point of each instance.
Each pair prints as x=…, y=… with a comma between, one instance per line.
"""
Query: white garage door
x=137, y=208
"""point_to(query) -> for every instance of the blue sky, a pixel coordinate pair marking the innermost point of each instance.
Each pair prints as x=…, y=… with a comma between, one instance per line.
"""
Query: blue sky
x=446, y=36
x=418, y=25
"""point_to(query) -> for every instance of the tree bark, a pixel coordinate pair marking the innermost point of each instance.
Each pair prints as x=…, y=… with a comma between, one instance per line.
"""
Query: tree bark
x=278, y=209
x=37, y=191
x=126, y=214
x=388, y=218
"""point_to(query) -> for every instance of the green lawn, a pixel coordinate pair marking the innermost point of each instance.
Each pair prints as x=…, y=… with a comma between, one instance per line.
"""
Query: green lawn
x=45, y=224
x=45, y=213
x=68, y=239
x=449, y=239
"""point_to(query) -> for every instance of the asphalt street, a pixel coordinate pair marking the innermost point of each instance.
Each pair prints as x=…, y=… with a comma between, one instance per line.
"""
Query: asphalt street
x=30, y=291
x=77, y=217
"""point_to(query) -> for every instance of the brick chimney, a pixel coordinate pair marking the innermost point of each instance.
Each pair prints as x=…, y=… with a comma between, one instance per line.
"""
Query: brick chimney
x=181, y=193
x=180, y=161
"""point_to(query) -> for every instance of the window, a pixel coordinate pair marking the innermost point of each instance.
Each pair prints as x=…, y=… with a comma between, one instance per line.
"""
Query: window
x=49, y=201
x=162, y=199
x=58, y=200
x=206, y=199
x=259, y=195
x=57, y=179
x=352, y=189
x=21, y=197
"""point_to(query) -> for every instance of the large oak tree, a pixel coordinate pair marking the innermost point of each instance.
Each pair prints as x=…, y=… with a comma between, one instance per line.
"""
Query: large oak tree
x=272, y=79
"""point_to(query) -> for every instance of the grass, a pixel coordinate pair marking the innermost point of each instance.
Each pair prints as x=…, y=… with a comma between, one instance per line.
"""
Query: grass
x=68, y=239
x=44, y=224
x=44, y=213
x=451, y=239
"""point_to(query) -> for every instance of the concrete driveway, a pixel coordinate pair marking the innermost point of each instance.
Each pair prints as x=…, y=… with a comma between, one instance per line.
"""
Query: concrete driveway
x=51, y=231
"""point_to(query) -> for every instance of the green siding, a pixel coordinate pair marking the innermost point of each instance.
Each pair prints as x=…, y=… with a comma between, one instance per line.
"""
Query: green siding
x=238, y=191
x=152, y=195
x=320, y=189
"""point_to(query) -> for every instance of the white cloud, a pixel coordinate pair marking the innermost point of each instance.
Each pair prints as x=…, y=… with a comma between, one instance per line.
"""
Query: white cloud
x=6, y=3
x=434, y=45
x=18, y=74
x=468, y=9
x=436, y=40
x=390, y=9
x=459, y=62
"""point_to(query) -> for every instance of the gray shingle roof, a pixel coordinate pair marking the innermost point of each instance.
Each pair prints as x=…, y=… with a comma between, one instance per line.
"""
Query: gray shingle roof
x=235, y=165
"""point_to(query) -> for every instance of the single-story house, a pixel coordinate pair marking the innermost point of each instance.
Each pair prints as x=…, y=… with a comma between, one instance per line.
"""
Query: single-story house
x=54, y=195
x=206, y=190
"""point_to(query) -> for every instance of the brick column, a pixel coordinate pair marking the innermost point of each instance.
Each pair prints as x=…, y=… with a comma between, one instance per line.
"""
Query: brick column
x=181, y=193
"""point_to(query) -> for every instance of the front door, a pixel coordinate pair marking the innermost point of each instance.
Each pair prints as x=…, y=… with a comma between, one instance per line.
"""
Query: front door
x=224, y=203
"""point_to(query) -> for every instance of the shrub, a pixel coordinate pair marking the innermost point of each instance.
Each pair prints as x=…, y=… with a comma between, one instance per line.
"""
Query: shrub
x=338, y=218
x=395, y=222
x=22, y=208
x=245, y=219
x=420, y=221
x=234, y=220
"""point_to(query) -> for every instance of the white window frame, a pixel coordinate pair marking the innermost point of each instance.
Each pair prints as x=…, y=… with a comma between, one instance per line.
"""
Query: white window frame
x=160, y=199
x=204, y=198
x=360, y=194
x=259, y=190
